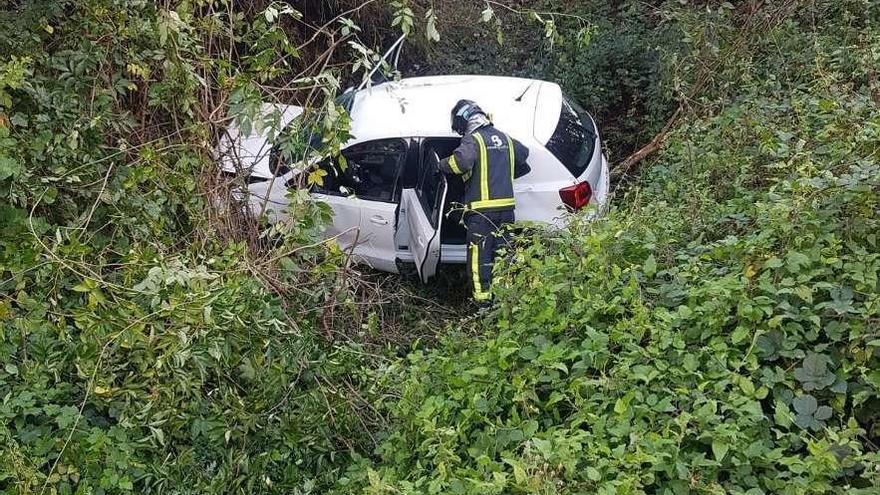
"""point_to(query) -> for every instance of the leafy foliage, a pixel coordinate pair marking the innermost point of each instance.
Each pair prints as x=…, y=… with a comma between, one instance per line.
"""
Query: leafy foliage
x=150, y=339
x=625, y=355
x=717, y=333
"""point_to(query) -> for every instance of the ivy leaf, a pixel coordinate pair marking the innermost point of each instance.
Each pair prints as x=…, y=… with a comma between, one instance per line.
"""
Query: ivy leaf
x=805, y=404
x=66, y=416
x=841, y=301
x=528, y=352
x=809, y=414
x=795, y=261
x=9, y=167
x=770, y=344
x=814, y=373
x=781, y=414
x=806, y=421
x=691, y=363
x=822, y=413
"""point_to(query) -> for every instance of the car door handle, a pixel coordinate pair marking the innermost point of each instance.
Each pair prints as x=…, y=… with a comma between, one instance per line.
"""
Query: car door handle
x=378, y=220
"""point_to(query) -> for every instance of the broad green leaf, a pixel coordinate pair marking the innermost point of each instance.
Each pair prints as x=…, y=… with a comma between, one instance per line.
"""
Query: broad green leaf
x=650, y=267
x=822, y=413
x=719, y=448
x=9, y=167
x=795, y=261
x=691, y=363
x=805, y=404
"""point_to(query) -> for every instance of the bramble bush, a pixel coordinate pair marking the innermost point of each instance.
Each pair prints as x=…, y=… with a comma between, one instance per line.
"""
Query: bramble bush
x=153, y=338
x=700, y=340
x=717, y=332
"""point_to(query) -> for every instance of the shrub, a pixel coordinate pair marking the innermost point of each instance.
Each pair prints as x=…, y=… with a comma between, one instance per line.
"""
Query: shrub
x=717, y=334
x=150, y=341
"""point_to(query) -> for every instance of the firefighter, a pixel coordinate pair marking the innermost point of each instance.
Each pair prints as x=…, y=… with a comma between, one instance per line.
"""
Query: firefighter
x=487, y=160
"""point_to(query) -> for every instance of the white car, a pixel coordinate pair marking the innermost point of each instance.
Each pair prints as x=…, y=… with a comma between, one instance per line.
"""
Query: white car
x=391, y=204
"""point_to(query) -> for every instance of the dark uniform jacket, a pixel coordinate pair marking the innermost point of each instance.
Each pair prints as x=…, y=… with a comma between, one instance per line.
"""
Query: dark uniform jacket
x=488, y=160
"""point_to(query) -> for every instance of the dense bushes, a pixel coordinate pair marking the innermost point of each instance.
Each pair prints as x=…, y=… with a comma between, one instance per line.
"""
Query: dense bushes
x=195, y=379
x=621, y=74
x=718, y=332
x=717, y=335
x=150, y=341
x=608, y=57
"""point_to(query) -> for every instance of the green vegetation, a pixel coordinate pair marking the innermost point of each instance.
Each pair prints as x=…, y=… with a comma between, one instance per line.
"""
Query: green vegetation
x=150, y=341
x=608, y=57
x=710, y=336
x=717, y=332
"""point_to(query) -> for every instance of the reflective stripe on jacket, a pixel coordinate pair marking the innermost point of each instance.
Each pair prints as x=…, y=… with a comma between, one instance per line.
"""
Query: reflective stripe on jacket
x=488, y=160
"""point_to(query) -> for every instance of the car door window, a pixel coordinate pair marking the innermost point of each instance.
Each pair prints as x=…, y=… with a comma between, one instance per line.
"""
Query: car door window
x=454, y=231
x=428, y=186
x=369, y=171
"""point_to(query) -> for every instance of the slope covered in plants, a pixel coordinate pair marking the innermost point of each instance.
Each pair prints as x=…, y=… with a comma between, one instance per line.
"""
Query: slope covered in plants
x=718, y=332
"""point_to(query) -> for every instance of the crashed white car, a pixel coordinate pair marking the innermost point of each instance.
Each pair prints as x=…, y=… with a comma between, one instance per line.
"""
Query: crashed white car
x=391, y=205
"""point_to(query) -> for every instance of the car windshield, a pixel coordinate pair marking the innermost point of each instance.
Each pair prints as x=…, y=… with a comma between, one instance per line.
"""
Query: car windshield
x=574, y=140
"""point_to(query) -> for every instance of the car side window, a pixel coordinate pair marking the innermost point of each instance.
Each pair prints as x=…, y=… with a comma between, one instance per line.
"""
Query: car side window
x=429, y=185
x=370, y=171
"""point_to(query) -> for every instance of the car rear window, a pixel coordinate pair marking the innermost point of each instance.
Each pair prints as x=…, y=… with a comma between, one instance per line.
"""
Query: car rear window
x=574, y=139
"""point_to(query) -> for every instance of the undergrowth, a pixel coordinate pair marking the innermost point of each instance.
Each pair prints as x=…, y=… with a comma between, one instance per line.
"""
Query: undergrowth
x=717, y=332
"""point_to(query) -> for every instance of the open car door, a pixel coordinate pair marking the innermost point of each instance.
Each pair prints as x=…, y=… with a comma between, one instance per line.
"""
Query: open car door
x=424, y=215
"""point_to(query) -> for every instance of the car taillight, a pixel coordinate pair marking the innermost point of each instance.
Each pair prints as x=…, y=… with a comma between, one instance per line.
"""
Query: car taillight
x=576, y=196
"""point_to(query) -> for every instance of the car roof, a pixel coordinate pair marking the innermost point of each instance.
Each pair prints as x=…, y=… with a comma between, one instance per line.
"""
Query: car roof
x=527, y=109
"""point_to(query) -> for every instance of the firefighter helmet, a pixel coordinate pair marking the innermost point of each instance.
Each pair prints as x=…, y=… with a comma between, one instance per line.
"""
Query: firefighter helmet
x=462, y=112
